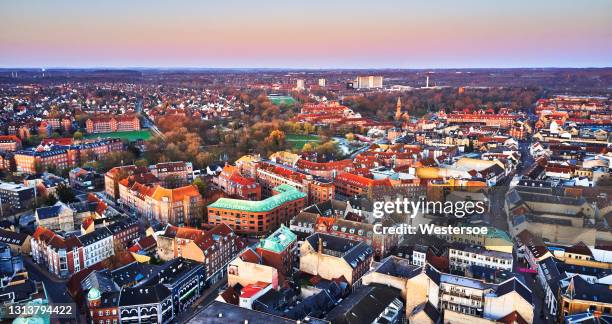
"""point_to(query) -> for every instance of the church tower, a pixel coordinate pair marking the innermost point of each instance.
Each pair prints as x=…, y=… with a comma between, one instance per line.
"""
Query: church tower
x=398, y=109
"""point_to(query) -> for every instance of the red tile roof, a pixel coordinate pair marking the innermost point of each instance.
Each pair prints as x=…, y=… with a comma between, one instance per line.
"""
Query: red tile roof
x=354, y=179
x=324, y=166
x=251, y=290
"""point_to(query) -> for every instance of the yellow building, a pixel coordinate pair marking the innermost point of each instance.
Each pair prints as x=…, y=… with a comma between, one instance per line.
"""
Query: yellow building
x=246, y=269
x=332, y=257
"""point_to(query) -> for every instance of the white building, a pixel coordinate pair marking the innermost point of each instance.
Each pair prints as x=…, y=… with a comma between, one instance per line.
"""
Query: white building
x=368, y=82
x=300, y=85
x=98, y=245
x=462, y=256
x=419, y=255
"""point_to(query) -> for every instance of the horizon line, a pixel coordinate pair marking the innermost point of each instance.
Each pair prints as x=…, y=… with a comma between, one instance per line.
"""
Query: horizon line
x=290, y=68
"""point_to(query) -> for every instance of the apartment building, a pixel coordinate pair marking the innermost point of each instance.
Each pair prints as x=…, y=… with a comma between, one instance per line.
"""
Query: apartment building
x=178, y=206
x=234, y=184
x=272, y=175
x=110, y=123
x=214, y=248
x=332, y=257
x=461, y=256
x=258, y=217
x=9, y=143
x=15, y=196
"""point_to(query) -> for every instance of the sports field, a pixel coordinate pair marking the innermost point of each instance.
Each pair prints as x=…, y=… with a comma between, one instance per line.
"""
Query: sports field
x=278, y=100
x=298, y=141
x=131, y=136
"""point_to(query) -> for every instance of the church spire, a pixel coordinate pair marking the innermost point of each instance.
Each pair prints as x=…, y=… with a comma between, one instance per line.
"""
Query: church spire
x=398, y=109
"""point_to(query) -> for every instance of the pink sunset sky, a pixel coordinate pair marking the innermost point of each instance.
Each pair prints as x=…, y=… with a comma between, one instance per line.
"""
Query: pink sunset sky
x=306, y=34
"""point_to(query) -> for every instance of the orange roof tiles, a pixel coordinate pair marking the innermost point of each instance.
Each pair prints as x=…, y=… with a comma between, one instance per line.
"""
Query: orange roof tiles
x=12, y=138
x=354, y=179
x=175, y=194
x=331, y=165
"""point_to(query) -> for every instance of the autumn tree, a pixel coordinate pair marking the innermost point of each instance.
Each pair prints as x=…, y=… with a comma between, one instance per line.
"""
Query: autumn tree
x=77, y=136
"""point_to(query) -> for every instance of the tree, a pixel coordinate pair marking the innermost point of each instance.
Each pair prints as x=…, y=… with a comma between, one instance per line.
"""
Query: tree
x=173, y=181
x=51, y=200
x=201, y=184
x=308, y=147
x=328, y=149
x=141, y=163
x=38, y=167
x=65, y=193
x=77, y=136
x=276, y=137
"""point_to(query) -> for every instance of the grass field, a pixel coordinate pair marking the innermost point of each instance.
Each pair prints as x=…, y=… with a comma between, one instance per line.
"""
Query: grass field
x=278, y=100
x=131, y=136
x=298, y=141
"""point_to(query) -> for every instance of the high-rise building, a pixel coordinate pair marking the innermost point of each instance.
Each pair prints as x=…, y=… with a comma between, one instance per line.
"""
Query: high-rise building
x=300, y=85
x=322, y=83
x=368, y=82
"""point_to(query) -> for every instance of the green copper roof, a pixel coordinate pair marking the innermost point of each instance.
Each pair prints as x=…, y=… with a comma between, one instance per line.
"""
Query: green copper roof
x=285, y=194
x=93, y=294
x=279, y=240
x=493, y=232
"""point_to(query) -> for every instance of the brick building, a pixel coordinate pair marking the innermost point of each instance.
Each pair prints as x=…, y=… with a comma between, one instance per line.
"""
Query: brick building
x=178, y=206
x=110, y=123
x=271, y=175
x=258, y=217
x=278, y=251
x=64, y=156
x=234, y=184
x=10, y=143
x=214, y=248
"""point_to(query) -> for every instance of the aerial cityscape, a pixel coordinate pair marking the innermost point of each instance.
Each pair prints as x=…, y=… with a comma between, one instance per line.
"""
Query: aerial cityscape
x=319, y=162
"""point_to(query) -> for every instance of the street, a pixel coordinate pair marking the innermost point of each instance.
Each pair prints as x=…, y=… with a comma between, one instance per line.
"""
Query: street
x=207, y=297
x=55, y=287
